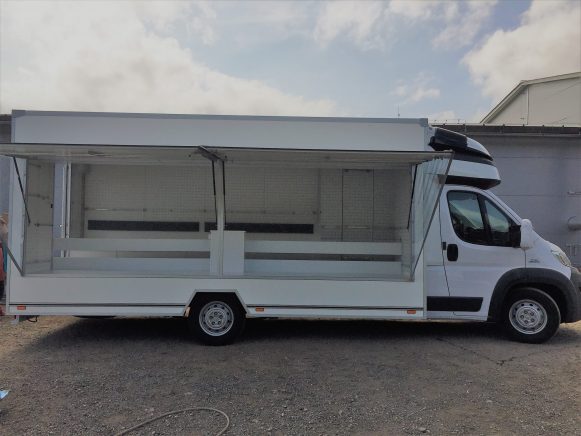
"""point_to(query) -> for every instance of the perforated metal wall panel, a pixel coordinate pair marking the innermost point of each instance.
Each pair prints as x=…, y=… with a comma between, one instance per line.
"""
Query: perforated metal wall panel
x=39, y=187
x=271, y=195
x=147, y=193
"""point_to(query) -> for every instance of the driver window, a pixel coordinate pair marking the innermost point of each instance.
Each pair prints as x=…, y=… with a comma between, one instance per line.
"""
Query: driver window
x=499, y=225
x=466, y=217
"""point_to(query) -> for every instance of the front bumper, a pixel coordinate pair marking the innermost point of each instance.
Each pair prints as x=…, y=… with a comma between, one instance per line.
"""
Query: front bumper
x=576, y=280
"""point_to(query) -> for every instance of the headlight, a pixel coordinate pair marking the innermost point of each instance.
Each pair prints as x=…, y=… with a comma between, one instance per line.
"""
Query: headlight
x=562, y=257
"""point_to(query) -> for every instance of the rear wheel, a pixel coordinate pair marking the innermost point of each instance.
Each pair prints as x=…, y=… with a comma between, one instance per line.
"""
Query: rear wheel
x=216, y=319
x=531, y=315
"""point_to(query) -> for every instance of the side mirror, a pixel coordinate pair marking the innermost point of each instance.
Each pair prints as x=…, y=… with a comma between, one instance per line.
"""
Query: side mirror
x=527, y=235
x=514, y=235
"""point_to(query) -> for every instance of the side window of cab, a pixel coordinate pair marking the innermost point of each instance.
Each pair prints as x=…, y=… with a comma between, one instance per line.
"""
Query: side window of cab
x=499, y=225
x=477, y=220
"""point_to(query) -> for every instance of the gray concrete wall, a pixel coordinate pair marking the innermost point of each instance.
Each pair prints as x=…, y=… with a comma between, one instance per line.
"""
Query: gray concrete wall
x=541, y=180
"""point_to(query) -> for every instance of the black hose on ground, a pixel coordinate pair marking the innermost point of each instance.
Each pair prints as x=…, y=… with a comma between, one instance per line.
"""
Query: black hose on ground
x=175, y=412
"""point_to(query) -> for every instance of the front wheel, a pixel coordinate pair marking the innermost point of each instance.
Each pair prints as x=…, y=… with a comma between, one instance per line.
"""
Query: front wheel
x=531, y=315
x=216, y=319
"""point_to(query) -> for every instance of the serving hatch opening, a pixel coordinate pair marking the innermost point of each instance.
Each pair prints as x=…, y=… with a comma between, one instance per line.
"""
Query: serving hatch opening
x=212, y=211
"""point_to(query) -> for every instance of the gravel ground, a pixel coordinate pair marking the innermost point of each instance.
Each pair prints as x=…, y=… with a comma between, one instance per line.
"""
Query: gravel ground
x=73, y=376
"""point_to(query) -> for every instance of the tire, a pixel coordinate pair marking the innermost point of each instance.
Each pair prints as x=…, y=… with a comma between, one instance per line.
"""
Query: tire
x=530, y=315
x=216, y=319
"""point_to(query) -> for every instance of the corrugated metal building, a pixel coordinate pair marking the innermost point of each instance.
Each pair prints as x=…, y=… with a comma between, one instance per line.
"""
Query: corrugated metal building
x=549, y=101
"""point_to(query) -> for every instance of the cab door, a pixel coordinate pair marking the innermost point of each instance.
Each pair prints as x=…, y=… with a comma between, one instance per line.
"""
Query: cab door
x=476, y=248
x=437, y=286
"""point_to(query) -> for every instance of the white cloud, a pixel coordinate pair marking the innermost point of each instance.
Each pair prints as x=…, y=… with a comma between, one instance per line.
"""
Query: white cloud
x=413, y=10
x=416, y=90
x=121, y=56
x=203, y=23
x=358, y=21
x=401, y=90
x=252, y=24
x=547, y=42
x=460, y=31
x=162, y=15
x=374, y=24
x=422, y=93
x=278, y=14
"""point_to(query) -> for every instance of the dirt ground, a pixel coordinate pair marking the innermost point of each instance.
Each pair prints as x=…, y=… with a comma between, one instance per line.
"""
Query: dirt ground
x=74, y=376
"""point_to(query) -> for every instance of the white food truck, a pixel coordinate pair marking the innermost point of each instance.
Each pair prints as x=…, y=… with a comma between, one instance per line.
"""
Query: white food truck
x=222, y=218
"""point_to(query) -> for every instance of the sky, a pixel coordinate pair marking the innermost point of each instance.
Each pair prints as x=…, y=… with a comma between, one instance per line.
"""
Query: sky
x=445, y=60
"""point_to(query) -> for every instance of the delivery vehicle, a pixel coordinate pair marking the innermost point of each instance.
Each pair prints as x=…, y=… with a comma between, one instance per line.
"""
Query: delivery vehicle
x=223, y=218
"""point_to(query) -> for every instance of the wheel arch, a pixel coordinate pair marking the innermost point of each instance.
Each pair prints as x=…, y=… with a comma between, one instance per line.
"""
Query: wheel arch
x=198, y=293
x=555, y=284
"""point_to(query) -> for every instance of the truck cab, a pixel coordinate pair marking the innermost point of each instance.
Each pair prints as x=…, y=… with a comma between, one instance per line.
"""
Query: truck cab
x=485, y=263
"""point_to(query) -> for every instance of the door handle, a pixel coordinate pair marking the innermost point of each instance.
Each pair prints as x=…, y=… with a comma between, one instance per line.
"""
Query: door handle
x=452, y=252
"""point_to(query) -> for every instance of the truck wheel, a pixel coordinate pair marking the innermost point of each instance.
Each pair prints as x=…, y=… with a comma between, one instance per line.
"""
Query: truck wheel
x=530, y=315
x=216, y=319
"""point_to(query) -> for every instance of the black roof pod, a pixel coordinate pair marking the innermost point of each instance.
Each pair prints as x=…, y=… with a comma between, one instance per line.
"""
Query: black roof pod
x=447, y=140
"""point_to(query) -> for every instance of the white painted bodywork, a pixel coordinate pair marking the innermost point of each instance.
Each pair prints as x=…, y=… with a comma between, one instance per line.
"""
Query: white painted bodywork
x=479, y=267
x=470, y=169
x=97, y=277
x=90, y=293
x=219, y=131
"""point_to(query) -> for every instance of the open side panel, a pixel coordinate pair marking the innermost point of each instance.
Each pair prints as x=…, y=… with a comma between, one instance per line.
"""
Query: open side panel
x=163, y=206
x=139, y=218
x=322, y=222
x=18, y=219
x=318, y=218
x=429, y=180
x=245, y=212
x=348, y=215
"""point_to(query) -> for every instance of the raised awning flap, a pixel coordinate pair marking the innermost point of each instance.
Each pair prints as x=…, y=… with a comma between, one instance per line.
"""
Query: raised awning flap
x=148, y=155
x=325, y=158
x=105, y=154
